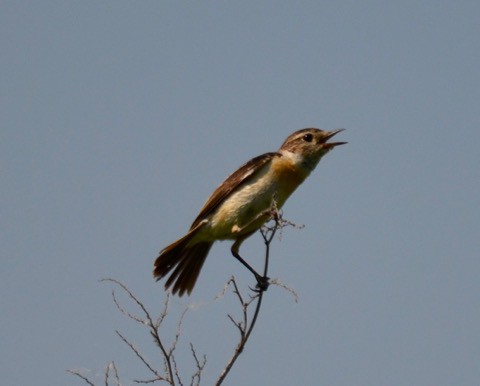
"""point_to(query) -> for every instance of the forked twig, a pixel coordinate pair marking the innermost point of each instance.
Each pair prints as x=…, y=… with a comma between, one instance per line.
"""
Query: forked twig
x=245, y=324
x=196, y=377
x=111, y=367
x=244, y=327
x=154, y=330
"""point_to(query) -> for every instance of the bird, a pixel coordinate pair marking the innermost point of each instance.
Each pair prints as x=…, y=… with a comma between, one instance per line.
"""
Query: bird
x=240, y=206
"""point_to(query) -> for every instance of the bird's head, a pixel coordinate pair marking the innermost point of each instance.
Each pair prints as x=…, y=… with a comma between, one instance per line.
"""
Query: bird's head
x=308, y=146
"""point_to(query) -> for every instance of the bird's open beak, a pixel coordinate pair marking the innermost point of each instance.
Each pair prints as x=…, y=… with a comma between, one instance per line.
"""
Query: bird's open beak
x=331, y=145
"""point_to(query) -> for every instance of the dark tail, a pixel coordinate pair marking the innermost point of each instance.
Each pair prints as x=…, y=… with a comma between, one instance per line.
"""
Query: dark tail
x=185, y=262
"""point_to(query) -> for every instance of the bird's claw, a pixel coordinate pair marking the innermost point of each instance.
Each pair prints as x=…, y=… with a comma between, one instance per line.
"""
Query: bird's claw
x=262, y=284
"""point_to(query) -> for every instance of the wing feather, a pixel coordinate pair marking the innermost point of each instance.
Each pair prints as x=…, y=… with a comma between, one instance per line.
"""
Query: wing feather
x=233, y=182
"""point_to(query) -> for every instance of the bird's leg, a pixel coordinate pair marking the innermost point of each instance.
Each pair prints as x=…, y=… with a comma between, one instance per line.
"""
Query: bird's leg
x=262, y=281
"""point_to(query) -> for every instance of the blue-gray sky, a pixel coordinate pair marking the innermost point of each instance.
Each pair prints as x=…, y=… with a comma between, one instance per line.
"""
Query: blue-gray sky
x=119, y=118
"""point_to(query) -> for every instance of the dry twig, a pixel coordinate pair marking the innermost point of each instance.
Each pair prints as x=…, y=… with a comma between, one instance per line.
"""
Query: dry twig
x=245, y=324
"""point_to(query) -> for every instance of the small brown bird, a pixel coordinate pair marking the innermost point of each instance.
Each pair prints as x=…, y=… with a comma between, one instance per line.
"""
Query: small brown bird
x=239, y=206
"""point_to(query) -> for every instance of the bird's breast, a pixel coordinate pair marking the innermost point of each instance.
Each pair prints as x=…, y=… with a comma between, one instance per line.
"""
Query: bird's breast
x=288, y=176
x=243, y=211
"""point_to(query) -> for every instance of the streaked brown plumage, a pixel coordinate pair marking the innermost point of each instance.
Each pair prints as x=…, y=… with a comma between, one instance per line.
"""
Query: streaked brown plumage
x=235, y=210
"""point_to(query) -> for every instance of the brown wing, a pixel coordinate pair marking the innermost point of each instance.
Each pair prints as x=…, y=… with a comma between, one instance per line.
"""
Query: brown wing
x=232, y=183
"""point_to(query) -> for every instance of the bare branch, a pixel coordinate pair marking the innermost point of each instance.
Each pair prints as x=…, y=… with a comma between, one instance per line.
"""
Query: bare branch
x=146, y=381
x=111, y=368
x=140, y=356
x=278, y=283
x=245, y=327
x=133, y=297
x=250, y=305
x=78, y=374
x=163, y=313
x=174, y=346
x=177, y=334
x=196, y=377
x=239, y=325
x=148, y=321
x=177, y=370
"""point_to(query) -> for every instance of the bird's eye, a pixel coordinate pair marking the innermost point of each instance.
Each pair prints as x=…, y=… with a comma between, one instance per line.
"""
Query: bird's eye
x=308, y=137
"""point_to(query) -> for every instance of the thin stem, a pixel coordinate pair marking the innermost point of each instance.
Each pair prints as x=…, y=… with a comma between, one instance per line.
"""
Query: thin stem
x=267, y=235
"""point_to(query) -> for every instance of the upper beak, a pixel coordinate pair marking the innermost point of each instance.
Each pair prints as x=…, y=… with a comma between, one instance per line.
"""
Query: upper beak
x=330, y=134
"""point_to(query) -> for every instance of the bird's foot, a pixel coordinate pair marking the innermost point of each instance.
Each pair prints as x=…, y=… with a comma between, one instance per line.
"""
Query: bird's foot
x=262, y=284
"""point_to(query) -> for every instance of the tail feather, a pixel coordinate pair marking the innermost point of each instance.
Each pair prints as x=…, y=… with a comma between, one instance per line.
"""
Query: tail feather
x=190, y=270
x=183, y=262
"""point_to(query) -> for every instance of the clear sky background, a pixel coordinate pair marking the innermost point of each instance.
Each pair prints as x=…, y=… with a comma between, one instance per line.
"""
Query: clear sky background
x=119, y=118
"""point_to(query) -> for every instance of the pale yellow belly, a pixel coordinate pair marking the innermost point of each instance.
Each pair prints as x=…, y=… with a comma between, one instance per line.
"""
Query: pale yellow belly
x=243, y=211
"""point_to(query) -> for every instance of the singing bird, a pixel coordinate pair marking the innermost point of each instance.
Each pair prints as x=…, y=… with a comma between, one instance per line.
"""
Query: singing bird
x=240, y=206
